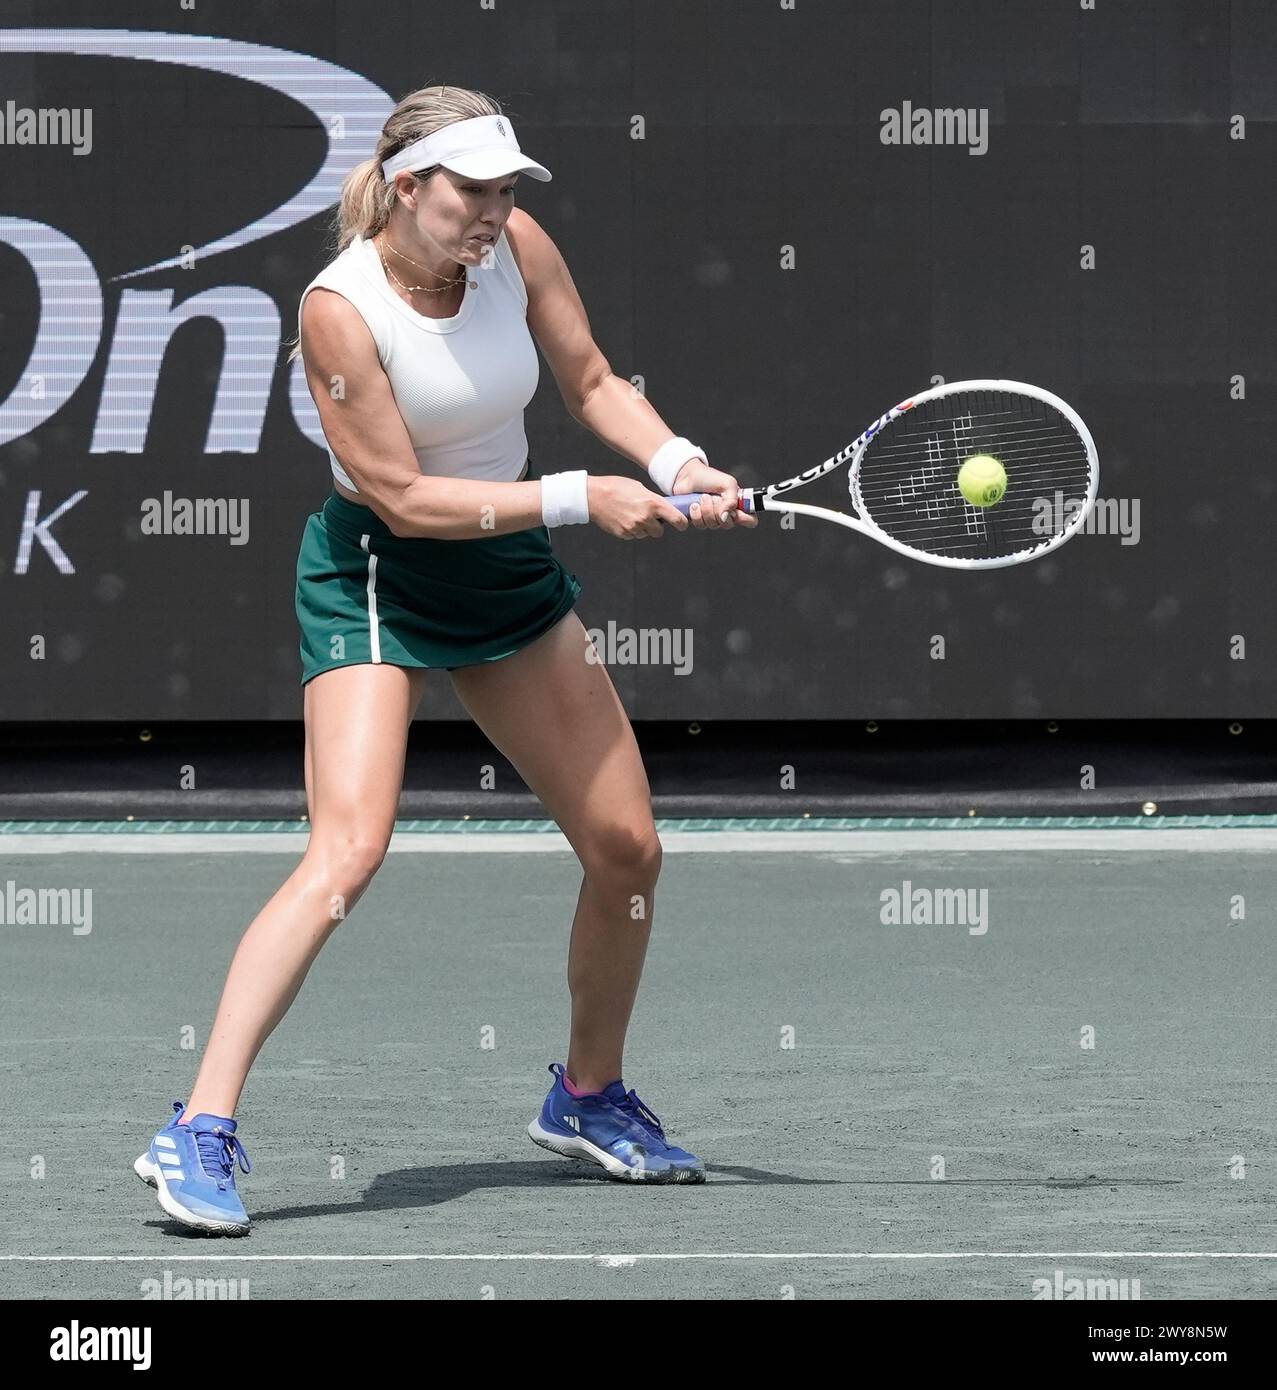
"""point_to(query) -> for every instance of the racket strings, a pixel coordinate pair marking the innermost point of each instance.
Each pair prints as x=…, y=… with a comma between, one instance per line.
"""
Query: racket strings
x=907, y=479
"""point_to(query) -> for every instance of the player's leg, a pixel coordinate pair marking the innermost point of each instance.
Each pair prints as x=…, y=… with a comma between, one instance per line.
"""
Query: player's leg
x=556, y=715
x=558, y=719
x=357, y=720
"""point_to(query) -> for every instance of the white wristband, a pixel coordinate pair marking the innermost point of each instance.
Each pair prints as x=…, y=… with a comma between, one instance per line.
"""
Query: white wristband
x=668, y=460
x=564, y=499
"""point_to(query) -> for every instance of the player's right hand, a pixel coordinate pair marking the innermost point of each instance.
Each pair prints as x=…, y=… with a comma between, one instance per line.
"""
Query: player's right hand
x=625, y=508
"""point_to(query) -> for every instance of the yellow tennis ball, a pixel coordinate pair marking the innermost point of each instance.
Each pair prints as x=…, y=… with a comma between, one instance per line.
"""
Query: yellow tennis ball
x=982, y=480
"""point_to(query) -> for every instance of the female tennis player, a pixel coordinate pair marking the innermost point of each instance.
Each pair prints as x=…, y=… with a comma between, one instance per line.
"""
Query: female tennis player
x=434, y=551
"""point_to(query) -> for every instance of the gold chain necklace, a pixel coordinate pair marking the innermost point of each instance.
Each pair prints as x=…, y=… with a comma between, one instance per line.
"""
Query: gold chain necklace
x=428, y=289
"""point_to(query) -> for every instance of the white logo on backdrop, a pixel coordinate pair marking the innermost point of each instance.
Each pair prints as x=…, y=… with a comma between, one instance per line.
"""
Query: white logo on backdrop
x=351, y=110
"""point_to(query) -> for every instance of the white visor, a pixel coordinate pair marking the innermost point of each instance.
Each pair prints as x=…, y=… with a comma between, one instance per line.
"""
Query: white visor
x=483, y=147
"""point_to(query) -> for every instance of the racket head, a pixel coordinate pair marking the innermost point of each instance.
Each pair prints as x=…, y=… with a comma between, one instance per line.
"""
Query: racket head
x=904, y=474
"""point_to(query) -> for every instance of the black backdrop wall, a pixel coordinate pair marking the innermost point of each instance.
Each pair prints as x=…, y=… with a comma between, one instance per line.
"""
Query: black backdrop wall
x=749, y=246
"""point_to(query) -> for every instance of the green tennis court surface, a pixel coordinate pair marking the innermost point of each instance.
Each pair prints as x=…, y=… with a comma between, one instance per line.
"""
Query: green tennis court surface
x=827, y=1065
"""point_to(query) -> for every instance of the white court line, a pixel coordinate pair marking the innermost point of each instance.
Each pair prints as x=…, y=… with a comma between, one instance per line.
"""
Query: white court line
x=633, y=1258
x=867, y=842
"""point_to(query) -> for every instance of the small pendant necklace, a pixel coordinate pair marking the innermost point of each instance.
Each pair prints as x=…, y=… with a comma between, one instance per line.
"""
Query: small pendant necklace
x=428, y=289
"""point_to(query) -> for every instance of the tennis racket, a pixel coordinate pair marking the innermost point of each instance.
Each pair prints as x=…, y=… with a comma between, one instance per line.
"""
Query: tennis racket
x=904, y=476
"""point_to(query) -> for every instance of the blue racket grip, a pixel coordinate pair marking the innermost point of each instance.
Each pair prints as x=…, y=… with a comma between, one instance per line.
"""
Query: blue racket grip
x=684, y=502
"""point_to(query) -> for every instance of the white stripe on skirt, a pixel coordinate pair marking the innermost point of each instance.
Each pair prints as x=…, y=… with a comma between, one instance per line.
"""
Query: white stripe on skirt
x=374, y=632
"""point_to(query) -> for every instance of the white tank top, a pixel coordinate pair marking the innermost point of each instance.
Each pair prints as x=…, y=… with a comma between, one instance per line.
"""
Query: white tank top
x=461, y=383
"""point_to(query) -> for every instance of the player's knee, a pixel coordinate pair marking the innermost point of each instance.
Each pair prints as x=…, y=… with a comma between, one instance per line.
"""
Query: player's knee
x=350, y=861
x=622, y=850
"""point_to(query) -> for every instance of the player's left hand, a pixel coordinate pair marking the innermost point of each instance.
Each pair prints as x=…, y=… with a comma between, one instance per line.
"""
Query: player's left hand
x=720, y=511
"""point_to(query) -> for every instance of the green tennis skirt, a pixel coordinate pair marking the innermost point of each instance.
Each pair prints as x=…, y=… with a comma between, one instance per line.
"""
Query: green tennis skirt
x=364, y=595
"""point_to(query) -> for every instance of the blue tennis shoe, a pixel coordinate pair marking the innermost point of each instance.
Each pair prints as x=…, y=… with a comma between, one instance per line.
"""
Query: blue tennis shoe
x=614, y=1129
x=192, y=1168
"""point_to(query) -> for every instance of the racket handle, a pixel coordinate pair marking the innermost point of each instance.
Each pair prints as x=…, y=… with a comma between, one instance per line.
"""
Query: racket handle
x=684, y=502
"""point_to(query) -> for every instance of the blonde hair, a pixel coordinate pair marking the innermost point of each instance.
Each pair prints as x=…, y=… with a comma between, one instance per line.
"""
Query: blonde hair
x=367, y=200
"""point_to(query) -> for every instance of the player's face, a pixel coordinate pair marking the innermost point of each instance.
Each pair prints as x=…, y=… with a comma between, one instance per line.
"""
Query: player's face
x=463, y=217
